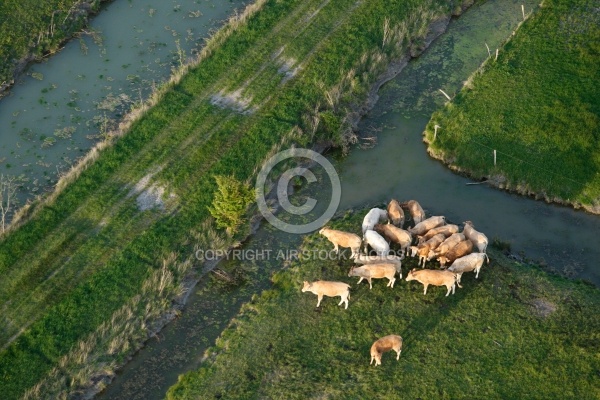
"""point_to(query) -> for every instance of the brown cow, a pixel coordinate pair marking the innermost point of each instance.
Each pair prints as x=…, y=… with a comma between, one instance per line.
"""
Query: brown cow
x=447, y=230
x=426, y=248
x=390, y=258
x=395, y=213
x=395, y=234
x=343, y=239
x=461, y=249
x=386, y=343
x=377, y=271
x=415, y=209
x=446, y=245
x=428, y=224
x=330, y=289
x=433, y=277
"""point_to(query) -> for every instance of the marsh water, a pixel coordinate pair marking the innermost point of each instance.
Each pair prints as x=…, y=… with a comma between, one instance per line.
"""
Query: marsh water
x=59, y=108
x=397, y=166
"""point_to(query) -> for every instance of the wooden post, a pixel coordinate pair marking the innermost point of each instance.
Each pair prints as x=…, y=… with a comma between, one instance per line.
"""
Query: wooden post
x=488, y=47
x=523, y=10
x=445, y=94
x=494, y=158
x=435, y=132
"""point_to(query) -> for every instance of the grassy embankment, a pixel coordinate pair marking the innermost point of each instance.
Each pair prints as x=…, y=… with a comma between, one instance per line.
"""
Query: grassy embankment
x=538, y=105
x=30, y=29
x=74, y=269
x=516, y=332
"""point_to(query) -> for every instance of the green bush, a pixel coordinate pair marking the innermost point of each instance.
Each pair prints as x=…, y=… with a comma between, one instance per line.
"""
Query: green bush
x=230, y=203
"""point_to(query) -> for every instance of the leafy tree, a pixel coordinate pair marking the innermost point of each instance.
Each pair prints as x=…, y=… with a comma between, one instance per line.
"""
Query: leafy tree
x=230, y=202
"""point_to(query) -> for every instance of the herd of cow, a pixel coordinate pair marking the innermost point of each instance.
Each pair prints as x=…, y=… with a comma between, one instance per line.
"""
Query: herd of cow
x=428, y=238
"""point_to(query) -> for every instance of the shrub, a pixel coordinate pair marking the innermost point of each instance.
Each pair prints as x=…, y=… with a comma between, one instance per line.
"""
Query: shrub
x=230, y=202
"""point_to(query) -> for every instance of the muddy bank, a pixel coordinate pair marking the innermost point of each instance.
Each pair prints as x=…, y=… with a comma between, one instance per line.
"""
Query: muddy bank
x=79, y=15
x=500, y=182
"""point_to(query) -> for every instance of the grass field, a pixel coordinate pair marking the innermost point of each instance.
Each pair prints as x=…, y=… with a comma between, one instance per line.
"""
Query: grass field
x=71, y=266
x=537, y=105
x=516, y=332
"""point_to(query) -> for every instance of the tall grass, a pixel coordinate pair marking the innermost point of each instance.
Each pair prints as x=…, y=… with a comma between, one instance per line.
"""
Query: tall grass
x=97, y=356
x=536, y=106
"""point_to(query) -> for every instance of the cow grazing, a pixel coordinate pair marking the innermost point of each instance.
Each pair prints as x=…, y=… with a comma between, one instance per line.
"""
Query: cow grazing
x=395, y=213
x=374, y=216
x=377, y=243
x=326, y=288
x=413, y=251
x=446, y=230
x=433, y=242
x=433, y=277
x=447, y=244
x=395, y=234
x=376, y=271
x=472, y=262
x=461, y=249
x=478, y=238
x=385, y=344
x=432, y=222
x=343, y=239
x=415, y=209
x=425, y=249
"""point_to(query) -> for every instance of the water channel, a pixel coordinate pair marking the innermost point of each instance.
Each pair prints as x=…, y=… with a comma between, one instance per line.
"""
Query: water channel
x=397, y=166
x=59, y=108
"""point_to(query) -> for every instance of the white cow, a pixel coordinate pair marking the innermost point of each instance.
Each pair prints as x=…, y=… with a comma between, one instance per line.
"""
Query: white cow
x=478, y=238
x=472, y=262
x=374, y=216
x=377, y=243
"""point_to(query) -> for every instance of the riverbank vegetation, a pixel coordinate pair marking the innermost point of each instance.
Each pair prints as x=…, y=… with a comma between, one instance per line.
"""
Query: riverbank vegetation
x=516, y=332
x=537, y=106
x=32, y=29
x=282, y=73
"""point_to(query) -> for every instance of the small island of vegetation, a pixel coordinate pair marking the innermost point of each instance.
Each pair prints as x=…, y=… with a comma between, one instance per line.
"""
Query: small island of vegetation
x=537, y=106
